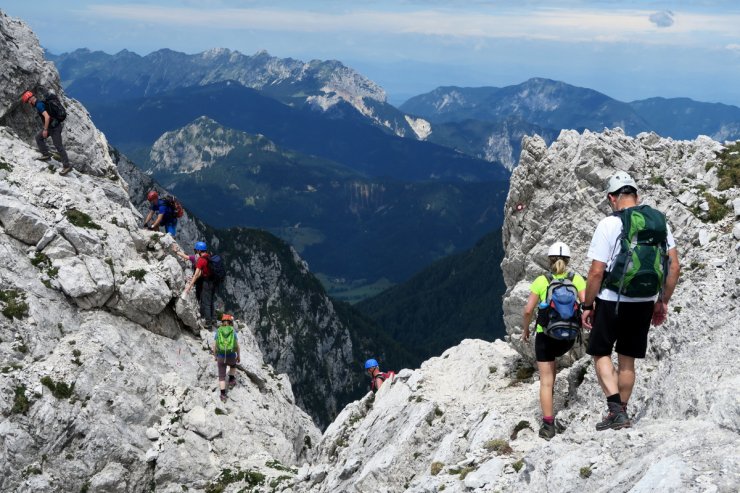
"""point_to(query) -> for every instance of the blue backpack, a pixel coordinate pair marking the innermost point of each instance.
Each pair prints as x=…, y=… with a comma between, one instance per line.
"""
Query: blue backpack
x=563, y=320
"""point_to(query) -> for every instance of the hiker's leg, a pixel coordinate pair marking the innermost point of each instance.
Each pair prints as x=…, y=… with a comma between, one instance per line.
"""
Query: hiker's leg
x=206, y=300
x=56, y=137
x=547, y=381
x=606, y=374
x=171, y=228
x=626, y=377
x=41, y=142
x=221, y=373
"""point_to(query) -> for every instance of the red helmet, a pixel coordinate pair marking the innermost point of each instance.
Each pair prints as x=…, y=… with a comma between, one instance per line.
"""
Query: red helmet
x=26, y=96
x=152, y=196
x=226, y=317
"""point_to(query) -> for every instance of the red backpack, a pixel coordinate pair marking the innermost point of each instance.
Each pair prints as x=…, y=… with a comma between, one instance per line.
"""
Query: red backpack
x=175, y=206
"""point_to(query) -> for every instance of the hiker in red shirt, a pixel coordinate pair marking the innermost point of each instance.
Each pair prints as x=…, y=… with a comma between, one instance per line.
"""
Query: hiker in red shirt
x=207, y=290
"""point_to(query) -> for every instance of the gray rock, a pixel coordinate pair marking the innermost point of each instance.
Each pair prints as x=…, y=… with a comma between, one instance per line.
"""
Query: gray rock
x=152, y=434
x=736, y=206
x=20, y=221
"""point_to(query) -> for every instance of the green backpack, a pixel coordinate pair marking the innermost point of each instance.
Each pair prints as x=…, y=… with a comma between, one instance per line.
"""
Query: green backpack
x=640, y=267
x=225, y=340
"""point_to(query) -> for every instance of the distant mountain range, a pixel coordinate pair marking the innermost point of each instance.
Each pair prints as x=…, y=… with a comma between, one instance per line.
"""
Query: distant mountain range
x=556, y=105
x=322, y=85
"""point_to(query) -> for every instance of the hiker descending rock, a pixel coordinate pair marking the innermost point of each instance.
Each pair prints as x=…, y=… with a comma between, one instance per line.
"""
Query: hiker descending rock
x=208, y=275
x=557, y=294
x=52, y=115
x=167, y=210
x=633, y=273
x=376, y=376
x=226, y=352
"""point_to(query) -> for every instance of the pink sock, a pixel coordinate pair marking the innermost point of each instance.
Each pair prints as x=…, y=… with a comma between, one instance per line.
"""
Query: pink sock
x=548, y=419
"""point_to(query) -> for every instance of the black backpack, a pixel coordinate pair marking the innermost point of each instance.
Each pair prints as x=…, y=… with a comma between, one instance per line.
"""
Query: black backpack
x=216, y=267
x=54, y=108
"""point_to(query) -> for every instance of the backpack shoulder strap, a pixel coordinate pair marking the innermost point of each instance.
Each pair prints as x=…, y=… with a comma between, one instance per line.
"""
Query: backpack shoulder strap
x=549, y=277
x=571, y=275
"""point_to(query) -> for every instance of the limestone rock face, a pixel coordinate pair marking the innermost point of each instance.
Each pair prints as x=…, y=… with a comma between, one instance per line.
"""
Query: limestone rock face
x=468, y=420
x=108, y=383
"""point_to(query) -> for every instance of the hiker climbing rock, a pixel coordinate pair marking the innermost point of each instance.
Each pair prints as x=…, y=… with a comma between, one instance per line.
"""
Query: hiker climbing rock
x=226, y=352
x=209, y=272
x=633, y=273
x=166, y=212
x=557, y=294
x=376, y=376
x=52, y=115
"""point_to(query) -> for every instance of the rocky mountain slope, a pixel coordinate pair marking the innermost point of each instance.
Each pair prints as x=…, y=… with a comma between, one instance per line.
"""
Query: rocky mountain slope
x=106, y=379
x=467, y=420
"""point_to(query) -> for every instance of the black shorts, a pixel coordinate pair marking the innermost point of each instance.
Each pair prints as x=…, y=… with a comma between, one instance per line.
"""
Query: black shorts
x=629, y=328
x=547, y=349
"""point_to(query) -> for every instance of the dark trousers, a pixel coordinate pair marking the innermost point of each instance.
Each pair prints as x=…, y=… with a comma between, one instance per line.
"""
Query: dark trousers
x=207, y=300
x=56, y=137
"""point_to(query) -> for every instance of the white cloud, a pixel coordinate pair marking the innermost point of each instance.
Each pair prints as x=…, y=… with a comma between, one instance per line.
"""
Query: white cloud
x=544, y=24
x=733, y=47
x=663, y=18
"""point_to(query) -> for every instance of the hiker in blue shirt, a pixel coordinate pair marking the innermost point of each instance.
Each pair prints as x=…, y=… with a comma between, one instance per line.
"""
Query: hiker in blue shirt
x=165, y=215
x=53, y=121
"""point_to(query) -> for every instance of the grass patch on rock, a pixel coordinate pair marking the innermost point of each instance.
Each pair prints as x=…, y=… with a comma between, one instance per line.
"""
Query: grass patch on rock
x=80, y=219
x=137, y=274
x=728, y=169
x=518, y=465
x=60, y=390
x=436, y=468
x=227, y=477
x=14, y=304
x=498, y=445
x=585, y=472
x=21, y=404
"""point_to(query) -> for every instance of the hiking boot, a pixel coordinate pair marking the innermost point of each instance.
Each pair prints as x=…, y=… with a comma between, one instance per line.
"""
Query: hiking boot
x=65, y=170
x=44, y=157
x=547, y=430
x=615, y=420
x=55, y=155
x=224, y=398
x=232, y=383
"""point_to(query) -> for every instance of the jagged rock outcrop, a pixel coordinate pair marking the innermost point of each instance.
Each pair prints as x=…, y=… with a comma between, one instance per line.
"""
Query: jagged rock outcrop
x=106, y=377
x=467, y=421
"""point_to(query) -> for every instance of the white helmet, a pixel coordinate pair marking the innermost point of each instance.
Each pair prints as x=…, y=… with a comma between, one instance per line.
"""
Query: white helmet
x=618, y=180
x=558, y=249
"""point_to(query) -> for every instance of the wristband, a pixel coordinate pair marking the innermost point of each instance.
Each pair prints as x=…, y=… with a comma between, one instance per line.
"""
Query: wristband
x=586, y=307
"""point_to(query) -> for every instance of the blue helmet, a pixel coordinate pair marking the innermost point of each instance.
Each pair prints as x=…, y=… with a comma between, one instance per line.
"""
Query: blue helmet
x=371, y=363
x=201, y=246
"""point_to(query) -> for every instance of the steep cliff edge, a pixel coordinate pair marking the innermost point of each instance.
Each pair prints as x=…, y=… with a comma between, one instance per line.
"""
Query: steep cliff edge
x=467, y=421
x=106, y=379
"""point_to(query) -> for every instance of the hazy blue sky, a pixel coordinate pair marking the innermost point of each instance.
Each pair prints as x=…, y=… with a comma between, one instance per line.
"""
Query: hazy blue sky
x=628, y=50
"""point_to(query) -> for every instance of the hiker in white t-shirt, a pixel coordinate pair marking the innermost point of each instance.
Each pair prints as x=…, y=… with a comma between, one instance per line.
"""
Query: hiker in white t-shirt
x=629, y=285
